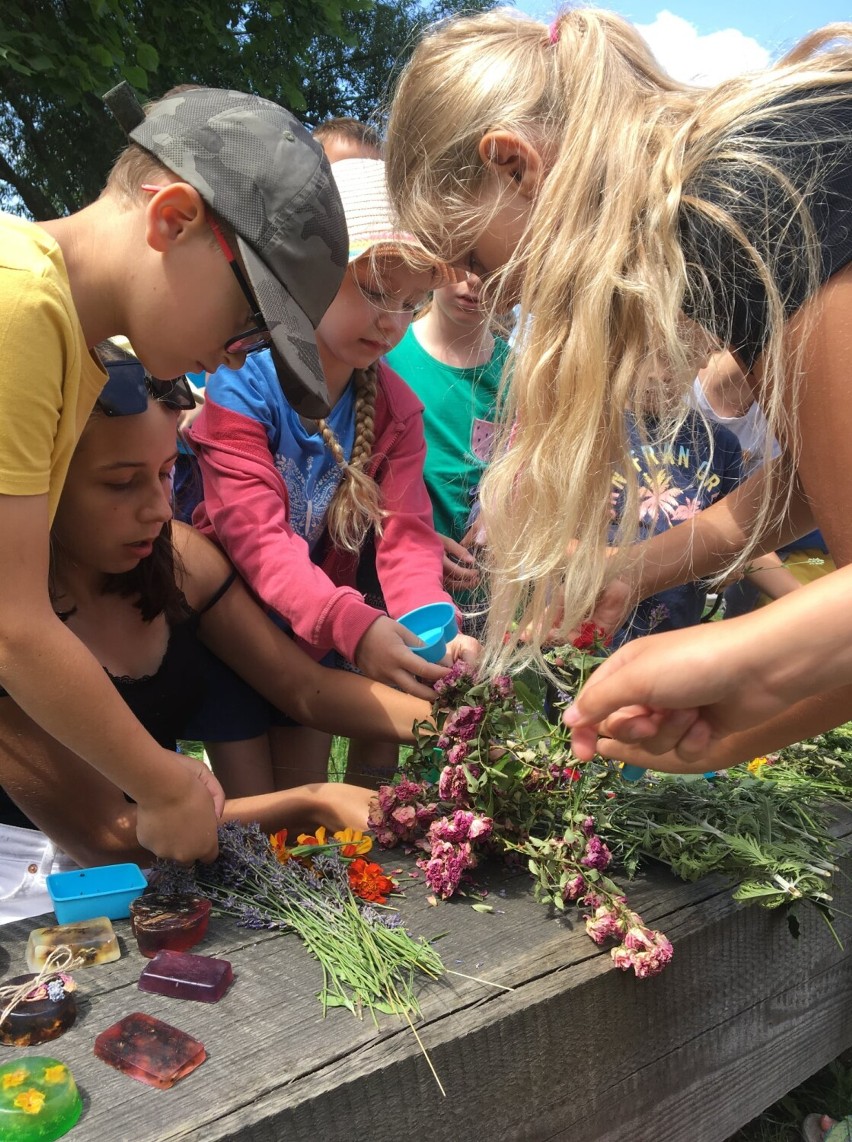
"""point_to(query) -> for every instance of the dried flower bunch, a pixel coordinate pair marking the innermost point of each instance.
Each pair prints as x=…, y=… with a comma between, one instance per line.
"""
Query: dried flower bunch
x=494, y=776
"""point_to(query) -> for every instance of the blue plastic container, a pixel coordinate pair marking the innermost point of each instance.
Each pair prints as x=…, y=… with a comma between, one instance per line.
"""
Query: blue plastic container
x=435, y=625
x=86, y=893
x=633, y=772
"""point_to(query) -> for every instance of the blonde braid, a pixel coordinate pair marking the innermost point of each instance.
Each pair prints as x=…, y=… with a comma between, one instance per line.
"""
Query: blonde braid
x=356, y=505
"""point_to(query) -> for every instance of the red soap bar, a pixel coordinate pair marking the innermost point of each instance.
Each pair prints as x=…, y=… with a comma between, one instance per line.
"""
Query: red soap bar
x=168, y=921
x=149, y=1050
x=186, y=976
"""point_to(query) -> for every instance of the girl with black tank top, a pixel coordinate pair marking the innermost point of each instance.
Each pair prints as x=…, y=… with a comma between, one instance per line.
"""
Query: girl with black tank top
x=152, y=600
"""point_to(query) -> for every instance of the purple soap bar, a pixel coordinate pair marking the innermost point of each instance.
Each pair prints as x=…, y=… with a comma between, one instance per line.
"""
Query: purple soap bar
x=149, y=1050
x=185, y=976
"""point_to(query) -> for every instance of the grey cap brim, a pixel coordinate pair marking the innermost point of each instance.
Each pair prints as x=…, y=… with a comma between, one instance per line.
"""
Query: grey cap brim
x=294, y=346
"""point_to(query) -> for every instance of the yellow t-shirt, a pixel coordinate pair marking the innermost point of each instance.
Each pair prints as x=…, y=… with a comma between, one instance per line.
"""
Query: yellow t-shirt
x=49, y=380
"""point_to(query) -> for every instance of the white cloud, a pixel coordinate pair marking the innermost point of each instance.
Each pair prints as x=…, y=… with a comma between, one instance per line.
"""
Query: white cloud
x=708, y=59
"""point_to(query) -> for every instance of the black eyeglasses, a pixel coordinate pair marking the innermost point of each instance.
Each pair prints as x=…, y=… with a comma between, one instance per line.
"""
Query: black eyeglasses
x=257, y=337
x=129, y=386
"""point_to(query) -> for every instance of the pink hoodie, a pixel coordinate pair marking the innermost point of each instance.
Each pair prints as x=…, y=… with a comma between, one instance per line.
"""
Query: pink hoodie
x=245, y=508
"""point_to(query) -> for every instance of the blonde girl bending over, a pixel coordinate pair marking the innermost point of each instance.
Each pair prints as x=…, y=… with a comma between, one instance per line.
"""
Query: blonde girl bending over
x=294, y=501
x=642, y=223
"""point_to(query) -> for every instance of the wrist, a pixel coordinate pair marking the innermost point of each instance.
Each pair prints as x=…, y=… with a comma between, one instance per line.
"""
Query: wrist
x=166, y=785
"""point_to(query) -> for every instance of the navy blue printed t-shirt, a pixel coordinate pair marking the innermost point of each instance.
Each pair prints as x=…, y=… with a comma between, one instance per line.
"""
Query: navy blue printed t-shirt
x=676, y=480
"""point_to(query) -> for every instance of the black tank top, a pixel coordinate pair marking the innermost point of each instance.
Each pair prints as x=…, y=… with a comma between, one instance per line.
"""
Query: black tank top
x=162, y=701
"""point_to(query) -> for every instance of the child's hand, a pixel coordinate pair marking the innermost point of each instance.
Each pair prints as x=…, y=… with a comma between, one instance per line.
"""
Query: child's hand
x=466, y=648
x=383, y=654
x=459, y=566
x=180, y=822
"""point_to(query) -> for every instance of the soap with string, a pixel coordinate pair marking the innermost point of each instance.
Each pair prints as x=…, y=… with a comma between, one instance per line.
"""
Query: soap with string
x=43, y=1013
x=149, y=1050
x=183, y=975
x=91, y=941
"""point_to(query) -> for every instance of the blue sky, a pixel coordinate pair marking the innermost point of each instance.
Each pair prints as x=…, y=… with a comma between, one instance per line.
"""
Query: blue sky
x=710, y=39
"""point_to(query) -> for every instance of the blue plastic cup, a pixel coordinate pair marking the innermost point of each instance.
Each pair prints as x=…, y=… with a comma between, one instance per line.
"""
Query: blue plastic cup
x=435, y=625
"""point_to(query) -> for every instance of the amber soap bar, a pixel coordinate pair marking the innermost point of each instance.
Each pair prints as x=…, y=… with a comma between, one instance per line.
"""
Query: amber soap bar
x=186, y=976
x=149, y=1050
x=92, y=940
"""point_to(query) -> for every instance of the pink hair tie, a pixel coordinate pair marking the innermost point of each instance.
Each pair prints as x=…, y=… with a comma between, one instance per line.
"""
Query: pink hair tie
x=553, y=34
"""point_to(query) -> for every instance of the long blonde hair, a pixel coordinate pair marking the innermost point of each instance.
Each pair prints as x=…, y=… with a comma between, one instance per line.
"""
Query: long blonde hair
x=605, y=279
x=356, y=505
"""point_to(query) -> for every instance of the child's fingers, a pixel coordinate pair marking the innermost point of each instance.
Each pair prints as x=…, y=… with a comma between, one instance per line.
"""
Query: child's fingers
x=408, y=636
x=456, y=551
x=457, y=578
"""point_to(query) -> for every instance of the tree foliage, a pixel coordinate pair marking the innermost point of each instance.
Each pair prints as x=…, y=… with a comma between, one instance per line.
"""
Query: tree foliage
x=353, y=74
x=57, y=57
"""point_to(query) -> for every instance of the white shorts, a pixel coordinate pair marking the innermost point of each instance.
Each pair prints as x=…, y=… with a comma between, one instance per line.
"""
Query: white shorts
x=26, y=858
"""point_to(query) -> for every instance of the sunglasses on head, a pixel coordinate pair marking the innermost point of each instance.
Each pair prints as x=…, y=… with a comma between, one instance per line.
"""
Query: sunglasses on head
x=129, y=386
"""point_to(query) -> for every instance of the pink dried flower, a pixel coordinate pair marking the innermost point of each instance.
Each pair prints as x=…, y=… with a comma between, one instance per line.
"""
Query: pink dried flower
x=607, y=923
x=597, y=855
x=463, y=723
x=404, y=815
x=464, y=826
x=452, y=784
x=457, y=753
x=459, y=671
x=574, y=889
x=446, y=865
x=644, y=949
x=501, y=686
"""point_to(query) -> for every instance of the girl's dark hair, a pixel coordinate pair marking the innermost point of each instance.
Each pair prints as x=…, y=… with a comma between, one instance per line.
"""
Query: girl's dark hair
x=152, y=584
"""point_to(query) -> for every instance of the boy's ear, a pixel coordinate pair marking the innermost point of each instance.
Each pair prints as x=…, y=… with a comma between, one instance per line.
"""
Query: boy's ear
x=513, y=159
x=176, y=210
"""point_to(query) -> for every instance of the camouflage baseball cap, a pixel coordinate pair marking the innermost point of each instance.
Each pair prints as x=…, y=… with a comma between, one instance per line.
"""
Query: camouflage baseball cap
x=261, y=171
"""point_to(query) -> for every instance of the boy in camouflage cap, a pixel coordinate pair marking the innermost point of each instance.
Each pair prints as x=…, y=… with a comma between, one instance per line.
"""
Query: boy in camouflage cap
x=207, y=173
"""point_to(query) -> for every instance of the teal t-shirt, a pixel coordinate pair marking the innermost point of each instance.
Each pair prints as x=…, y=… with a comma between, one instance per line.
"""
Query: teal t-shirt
x=458, y=422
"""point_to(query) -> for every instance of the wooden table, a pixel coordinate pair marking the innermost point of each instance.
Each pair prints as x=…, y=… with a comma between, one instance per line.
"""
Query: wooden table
x=577, y=1051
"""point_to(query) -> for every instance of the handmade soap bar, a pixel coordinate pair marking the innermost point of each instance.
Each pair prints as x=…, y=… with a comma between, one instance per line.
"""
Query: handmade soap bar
x=185, y=976
x=175, y=923
x=40, y=1015
x=149, y=1050
x=92, y=940
x=39, y=1100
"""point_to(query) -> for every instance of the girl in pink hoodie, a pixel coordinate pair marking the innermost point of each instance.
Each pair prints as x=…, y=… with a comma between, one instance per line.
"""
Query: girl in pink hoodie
x=294, y=501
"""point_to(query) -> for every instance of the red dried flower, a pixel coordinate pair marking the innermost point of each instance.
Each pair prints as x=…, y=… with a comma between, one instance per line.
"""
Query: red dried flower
x=589, y=634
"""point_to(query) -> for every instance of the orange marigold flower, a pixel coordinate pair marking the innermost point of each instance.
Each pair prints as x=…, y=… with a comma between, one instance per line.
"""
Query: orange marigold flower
x=317, y=838
x=56, y=1074
x=30, y=1101
x=368, y=881
x=353, y=842
x=278, y=843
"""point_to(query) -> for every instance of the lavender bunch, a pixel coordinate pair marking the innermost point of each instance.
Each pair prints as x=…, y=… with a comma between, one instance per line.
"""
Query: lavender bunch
x=367, y=957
